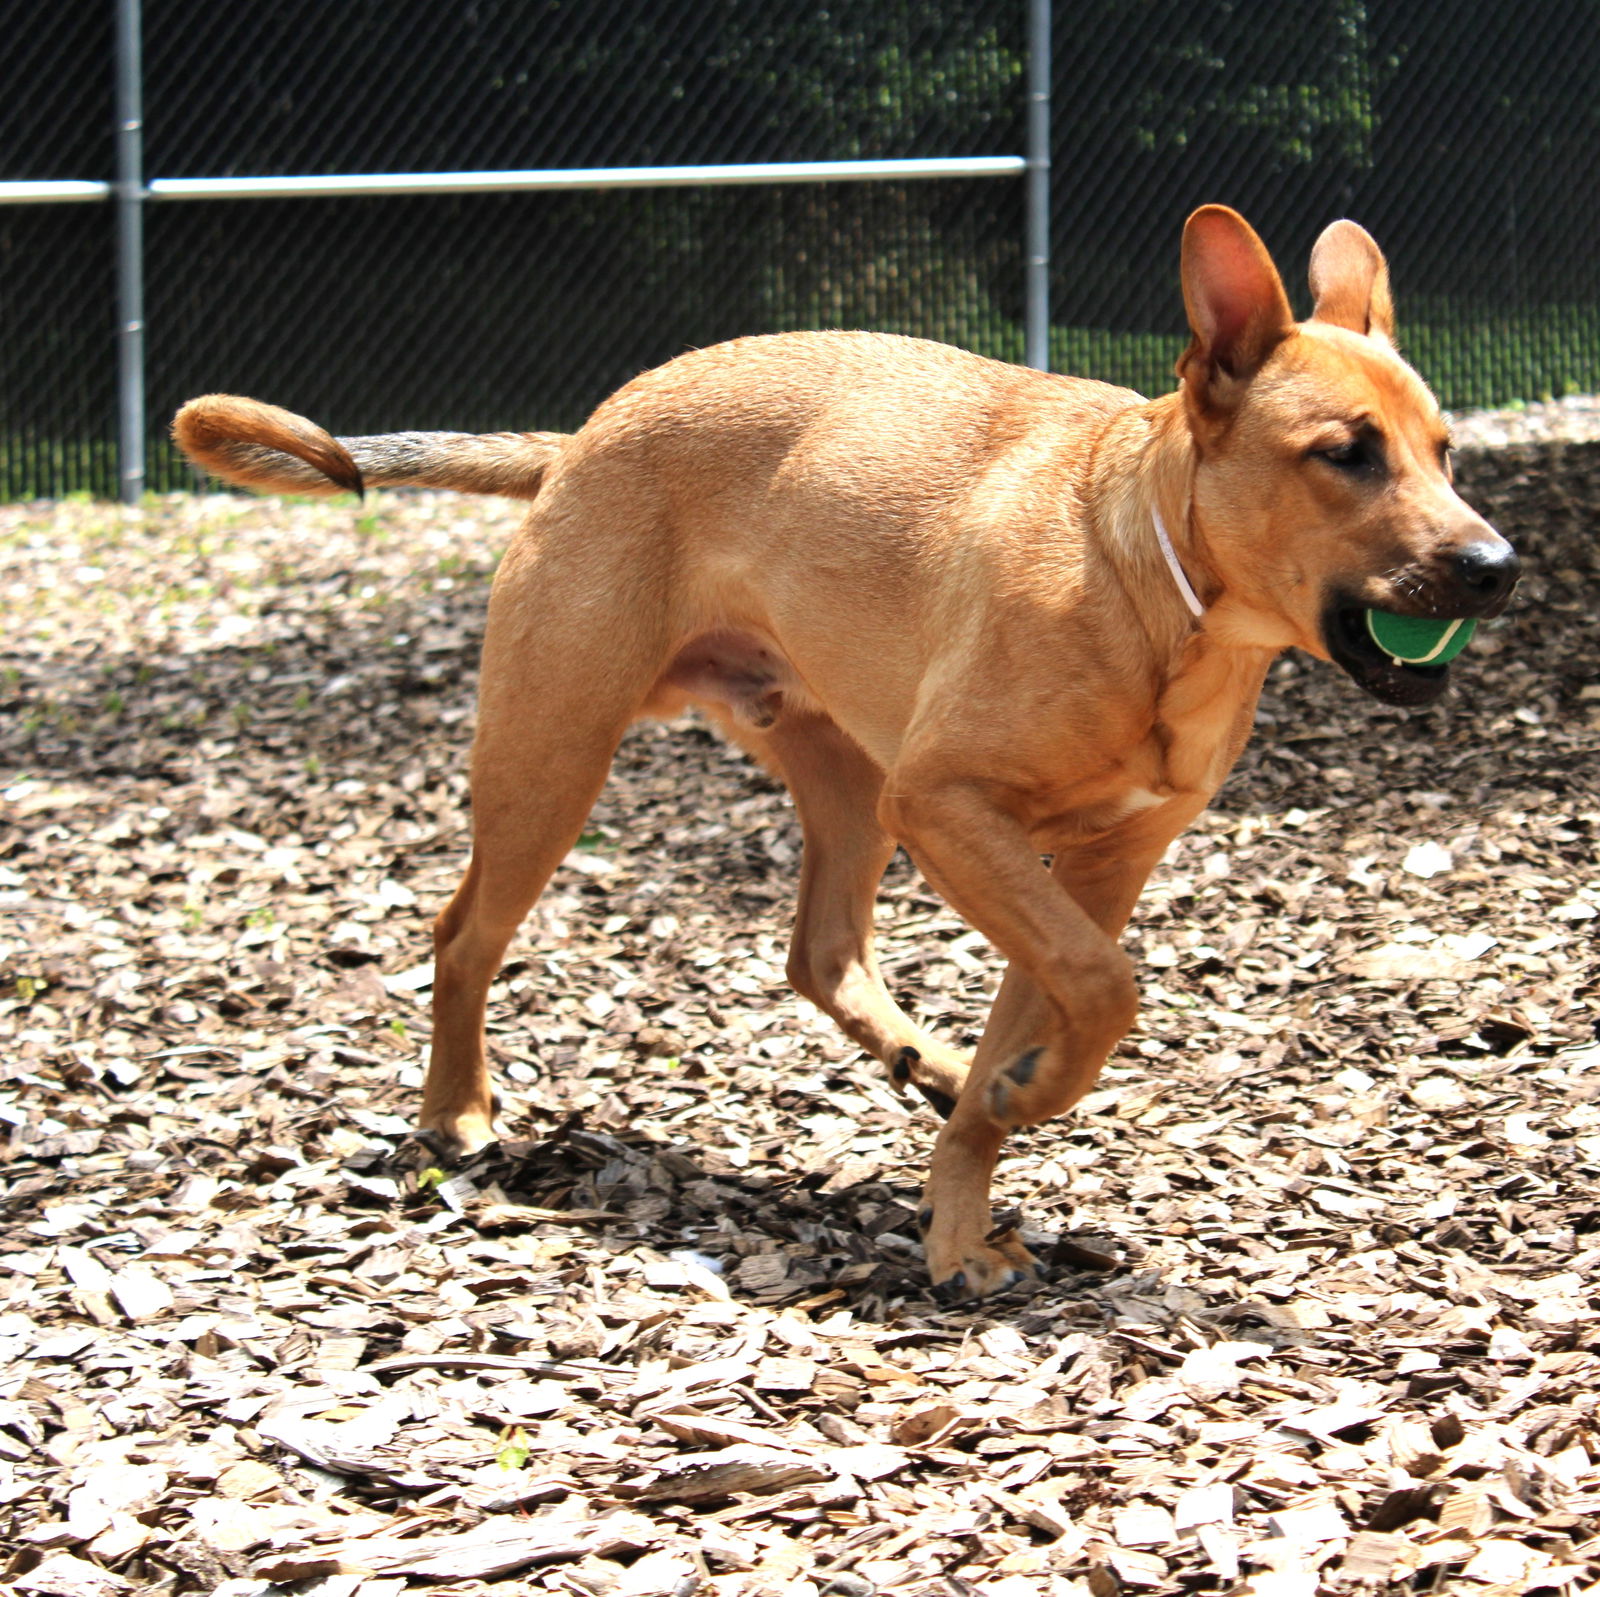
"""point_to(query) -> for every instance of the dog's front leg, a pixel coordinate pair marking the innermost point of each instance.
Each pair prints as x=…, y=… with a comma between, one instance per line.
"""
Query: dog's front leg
x=1066, y=1001
x=1010, y=1089
x=954, y=1216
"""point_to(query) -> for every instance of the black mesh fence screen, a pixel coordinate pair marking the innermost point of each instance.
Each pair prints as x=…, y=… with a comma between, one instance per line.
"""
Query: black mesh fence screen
x=58, y=403
x=482, y=312
x=318, y=86
x=1465, y=135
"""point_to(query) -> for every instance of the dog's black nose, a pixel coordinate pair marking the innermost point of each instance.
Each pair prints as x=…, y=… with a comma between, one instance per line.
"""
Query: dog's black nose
x=1488, y=571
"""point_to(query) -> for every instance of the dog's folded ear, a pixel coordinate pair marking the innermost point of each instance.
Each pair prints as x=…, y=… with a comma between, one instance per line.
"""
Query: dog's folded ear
x=1350, y=282
x=1238, y=311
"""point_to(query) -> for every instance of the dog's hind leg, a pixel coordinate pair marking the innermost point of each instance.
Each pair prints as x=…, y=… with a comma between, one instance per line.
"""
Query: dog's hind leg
x=560, y=685
x=530, y=802
x=831, y=961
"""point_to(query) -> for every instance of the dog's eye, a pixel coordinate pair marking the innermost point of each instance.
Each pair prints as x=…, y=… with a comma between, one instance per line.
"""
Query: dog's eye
x=1353, y=456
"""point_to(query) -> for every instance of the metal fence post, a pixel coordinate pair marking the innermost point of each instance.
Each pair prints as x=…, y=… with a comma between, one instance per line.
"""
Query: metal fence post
x=130, y=251
x=1036, y=315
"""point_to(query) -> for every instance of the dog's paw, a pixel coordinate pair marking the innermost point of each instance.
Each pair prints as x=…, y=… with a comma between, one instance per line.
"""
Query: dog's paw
x=459, y=1139
x=977, y=1269
x=939, y=1078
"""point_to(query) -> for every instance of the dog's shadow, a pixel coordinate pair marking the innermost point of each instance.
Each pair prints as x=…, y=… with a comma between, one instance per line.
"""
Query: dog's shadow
x=819, y=1242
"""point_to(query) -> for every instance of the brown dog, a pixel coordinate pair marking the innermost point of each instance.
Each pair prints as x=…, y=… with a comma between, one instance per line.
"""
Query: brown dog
x=939, y=596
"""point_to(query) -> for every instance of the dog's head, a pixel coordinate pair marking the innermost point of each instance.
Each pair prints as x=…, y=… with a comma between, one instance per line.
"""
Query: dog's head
x=1322, y=483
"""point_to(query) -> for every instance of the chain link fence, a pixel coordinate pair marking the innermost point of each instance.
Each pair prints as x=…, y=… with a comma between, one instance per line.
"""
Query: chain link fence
x=1464, y=135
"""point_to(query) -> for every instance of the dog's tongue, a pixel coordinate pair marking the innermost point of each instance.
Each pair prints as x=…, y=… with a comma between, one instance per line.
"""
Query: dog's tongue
x=1419, y=640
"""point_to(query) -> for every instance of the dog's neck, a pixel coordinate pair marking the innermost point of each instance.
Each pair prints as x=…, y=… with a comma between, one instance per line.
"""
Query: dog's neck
x=1169, y=465
x=1145, y=469
x=1145, y=479
x=1205, y=696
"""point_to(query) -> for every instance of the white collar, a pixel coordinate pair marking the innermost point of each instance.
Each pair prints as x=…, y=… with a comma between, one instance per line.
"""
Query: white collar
x=1190, y=597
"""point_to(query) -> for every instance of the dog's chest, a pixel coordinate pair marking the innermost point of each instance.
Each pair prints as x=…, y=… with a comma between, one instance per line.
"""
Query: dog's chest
x=1158, y=771
x=1167, y=777
x=1203, y=720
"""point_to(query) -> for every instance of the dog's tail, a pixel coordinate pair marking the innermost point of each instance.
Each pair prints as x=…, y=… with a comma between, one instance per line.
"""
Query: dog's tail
x=274, y=451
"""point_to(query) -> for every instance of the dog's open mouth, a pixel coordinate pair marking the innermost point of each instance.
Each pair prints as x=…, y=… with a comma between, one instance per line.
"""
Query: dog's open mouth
x=1390, y=681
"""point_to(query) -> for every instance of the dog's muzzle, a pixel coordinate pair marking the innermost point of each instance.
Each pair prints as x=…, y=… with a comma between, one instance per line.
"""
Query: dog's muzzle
x=1476, y=585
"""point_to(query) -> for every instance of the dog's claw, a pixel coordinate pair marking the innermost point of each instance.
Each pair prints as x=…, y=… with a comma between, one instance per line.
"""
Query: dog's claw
x=959, y=1289
x=445, y=1149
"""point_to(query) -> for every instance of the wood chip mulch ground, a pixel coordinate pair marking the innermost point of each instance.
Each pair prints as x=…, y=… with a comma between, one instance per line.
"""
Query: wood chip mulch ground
x=1324, y=1311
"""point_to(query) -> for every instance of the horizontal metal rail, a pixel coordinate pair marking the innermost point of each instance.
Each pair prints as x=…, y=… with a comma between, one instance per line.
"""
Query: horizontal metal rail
x=597, y=177
x=64, y=193
x=552, y=178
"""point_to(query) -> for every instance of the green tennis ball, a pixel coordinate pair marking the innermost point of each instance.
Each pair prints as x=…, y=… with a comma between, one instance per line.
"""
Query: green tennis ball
x=1419, y=640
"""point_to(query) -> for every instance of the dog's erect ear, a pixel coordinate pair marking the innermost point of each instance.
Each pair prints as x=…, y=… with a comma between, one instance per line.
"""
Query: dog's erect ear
x=1350, y=282
x=1237, y=308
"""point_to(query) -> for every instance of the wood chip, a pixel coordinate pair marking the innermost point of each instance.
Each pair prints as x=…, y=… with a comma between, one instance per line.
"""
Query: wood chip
x=706, y=1477
x=500, y=1545
x=1373, y=1556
